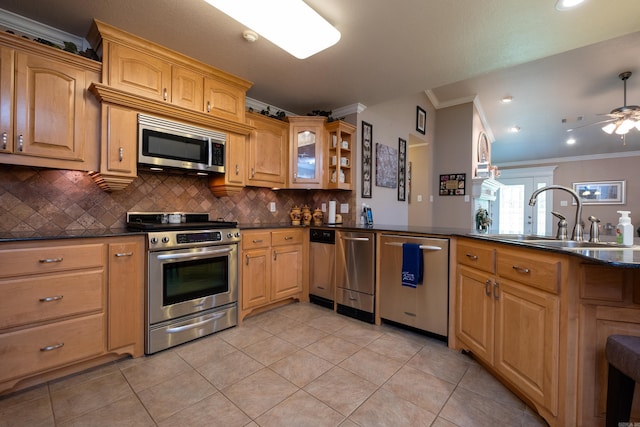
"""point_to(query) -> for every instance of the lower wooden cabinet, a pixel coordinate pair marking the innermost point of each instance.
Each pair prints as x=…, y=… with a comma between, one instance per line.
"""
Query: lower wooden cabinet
x=274, y=268
x=68, y=304
x=512, y=326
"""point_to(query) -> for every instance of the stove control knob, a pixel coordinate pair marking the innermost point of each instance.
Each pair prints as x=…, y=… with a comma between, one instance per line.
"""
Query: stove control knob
x=229, y=235
x=237, y=234
x=154, y=240
x=165, y=240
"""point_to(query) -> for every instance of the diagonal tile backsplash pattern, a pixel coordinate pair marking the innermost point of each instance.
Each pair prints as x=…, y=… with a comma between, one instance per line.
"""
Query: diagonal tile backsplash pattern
x=34, y=199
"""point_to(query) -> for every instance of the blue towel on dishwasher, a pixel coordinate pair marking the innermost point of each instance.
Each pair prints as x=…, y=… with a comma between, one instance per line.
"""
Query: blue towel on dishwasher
x=412, y=265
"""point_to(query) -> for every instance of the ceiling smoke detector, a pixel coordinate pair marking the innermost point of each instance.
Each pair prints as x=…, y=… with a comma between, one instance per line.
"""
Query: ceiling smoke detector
x=250, y=36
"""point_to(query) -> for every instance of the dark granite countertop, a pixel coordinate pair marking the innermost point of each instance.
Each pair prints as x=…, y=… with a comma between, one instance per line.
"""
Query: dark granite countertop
x=610, y=254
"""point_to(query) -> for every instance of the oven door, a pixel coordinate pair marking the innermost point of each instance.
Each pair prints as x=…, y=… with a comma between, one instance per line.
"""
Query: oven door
x=187, y=281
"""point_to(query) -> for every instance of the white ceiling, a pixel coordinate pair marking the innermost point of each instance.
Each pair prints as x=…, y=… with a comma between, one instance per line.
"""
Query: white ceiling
x=555, y=64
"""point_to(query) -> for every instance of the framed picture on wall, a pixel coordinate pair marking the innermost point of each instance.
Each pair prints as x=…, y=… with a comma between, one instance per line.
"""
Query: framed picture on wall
x=452, y=184
x=402, y=169
x=367, y=166
x=421, y=120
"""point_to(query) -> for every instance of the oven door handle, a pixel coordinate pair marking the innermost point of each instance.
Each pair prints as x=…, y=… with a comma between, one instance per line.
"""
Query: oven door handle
x=177, y=329
x=196, y=254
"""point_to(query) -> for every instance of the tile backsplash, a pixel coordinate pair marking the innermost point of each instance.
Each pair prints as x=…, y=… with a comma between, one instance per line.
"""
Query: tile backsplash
x=33, y=199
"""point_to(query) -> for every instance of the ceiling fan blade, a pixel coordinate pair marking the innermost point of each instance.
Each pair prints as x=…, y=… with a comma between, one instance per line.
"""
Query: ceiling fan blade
x=591, y=124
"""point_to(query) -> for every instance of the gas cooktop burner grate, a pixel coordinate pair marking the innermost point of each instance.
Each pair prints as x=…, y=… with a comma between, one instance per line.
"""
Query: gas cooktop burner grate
x=152, y=221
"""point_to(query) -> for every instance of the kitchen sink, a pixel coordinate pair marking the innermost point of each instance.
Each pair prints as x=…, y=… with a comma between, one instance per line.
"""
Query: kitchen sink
x=552, y=242
x=517, y=237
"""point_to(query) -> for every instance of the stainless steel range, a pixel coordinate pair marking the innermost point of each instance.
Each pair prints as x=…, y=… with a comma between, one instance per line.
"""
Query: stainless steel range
x=192, y=276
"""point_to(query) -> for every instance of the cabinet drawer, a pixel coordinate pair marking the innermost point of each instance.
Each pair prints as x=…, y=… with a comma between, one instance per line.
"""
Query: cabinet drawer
x=253, y=240
x=531, y=268
x=45, y=297
x=16, y=262
x=44, y=347
x=478, y=256
x=286, y=237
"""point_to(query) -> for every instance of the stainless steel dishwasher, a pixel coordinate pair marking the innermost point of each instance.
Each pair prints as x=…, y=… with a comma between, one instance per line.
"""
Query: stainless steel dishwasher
x=355, y=275
x=425, y=307
x=322, y=261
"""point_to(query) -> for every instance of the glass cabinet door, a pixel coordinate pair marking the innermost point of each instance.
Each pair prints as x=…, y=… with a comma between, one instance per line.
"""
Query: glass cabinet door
x=306, y=136
x=306, y=148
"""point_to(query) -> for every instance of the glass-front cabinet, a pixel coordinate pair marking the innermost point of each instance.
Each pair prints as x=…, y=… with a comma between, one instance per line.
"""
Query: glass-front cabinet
x=306, y=136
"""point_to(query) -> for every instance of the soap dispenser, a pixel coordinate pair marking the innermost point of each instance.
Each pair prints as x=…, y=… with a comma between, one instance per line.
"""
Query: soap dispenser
x=624, y=229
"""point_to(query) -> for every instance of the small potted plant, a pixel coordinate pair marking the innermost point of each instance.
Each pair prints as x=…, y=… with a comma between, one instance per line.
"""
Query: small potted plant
x=482, y=220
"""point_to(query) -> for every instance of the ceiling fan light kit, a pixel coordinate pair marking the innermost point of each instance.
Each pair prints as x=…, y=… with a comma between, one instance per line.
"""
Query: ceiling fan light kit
x=626, y=117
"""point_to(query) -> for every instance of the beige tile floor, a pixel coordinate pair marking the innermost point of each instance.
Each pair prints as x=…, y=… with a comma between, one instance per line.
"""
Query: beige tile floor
x=298, y=365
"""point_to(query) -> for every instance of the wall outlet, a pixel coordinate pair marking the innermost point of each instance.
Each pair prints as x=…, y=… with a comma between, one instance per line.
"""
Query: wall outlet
x=419, y=197
x=564, y=203
x=344, y=208
x=466, y=198
x=323, y=208
x=272, y=207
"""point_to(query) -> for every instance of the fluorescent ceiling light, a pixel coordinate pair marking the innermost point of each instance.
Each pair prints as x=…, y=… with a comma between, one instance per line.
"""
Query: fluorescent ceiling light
x=567, y=4
x=289, y=24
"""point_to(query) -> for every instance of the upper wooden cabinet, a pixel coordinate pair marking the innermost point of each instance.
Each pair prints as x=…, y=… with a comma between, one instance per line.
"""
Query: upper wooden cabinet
x=307, y=139
x=48, y=118
x=138, y=66
x=339, y=156
x=267, y=151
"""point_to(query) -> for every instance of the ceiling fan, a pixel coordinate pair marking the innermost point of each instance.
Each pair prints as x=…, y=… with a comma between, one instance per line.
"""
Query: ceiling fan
x=622, y=119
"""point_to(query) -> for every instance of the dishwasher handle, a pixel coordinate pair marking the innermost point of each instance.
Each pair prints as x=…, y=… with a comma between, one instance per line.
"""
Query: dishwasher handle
x=356, y=239
x=423, y=247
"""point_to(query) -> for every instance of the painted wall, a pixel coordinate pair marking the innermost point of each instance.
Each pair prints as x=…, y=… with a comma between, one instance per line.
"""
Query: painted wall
x=454, y=130
x=610, y=169
x=392, y=120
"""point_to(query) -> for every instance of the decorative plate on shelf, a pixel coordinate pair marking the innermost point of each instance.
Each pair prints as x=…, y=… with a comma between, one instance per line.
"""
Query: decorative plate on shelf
x=483, y=148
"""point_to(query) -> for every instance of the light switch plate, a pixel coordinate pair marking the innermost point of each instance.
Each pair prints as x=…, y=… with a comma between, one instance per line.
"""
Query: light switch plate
x=272, y=207
x=419, y=197
x=344, y=208
x=323, y=208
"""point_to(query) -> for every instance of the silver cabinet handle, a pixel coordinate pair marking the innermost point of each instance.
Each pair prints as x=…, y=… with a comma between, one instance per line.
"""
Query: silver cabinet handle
x=288, y=238
x=208, y=106
x=50, y=260
x=247, y=258
x=355, y=239
x=521, y=269
x=120, y=154
x=237, y=169
x=257, y=240
x=496, y=295
x=253, y=172
x=20, y=142
x=165, y=94
x=4, y=140
x=121, y=254
x=487, y=287
x=410, y=314
x=49, y=299
x=472, y=257
x=275, y=255
x=52, y=347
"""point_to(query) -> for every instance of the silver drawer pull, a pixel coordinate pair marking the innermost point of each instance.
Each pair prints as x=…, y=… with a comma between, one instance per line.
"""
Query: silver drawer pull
x=50, y=260
x=521, y=269
x=49, y=299
x=4, y=140
x=353, y=299
x=355, y=239
x=320, y=287
x=410, y=314
x=472, y=257
x=120, y=254
x=257, y=240
x=288, y=238
x=120, y=154
x=52, y=347
x=20, y=142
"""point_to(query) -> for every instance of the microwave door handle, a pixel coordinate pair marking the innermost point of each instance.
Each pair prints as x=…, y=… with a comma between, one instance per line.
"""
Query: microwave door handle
x=210, y=153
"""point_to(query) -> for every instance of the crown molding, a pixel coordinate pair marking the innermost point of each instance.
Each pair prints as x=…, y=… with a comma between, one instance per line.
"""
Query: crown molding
x=570, y=159
x=28, y=27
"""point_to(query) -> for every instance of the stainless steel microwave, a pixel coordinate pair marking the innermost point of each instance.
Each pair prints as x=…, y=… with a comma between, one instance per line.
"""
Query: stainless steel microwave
x=165, y=144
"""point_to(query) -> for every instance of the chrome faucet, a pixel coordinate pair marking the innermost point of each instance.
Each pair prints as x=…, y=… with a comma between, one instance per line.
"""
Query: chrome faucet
x=578, y=229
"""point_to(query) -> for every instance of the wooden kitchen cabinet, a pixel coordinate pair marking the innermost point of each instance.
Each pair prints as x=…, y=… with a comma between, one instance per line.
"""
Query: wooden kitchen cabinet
x=126, y=295
x=341, y=137
x=267, y=151
x=508, y=315
x=48, y=117
x=233, y=180
x=66, y=305
x=224, y=100
x=273, y=268
x=306, y=145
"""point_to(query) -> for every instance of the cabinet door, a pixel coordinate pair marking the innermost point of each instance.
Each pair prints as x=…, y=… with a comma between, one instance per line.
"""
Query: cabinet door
x=235, y=164
x=6, y=99
x=286, y=278
x=119, y=140
x=126, y=295
x=223, y=100
x=187, y=88
x=49, y=109
x=136, y=72
x=527, y=341
x=267, y=152
x=474, y=312
x=306, y=141
x=256, y=275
